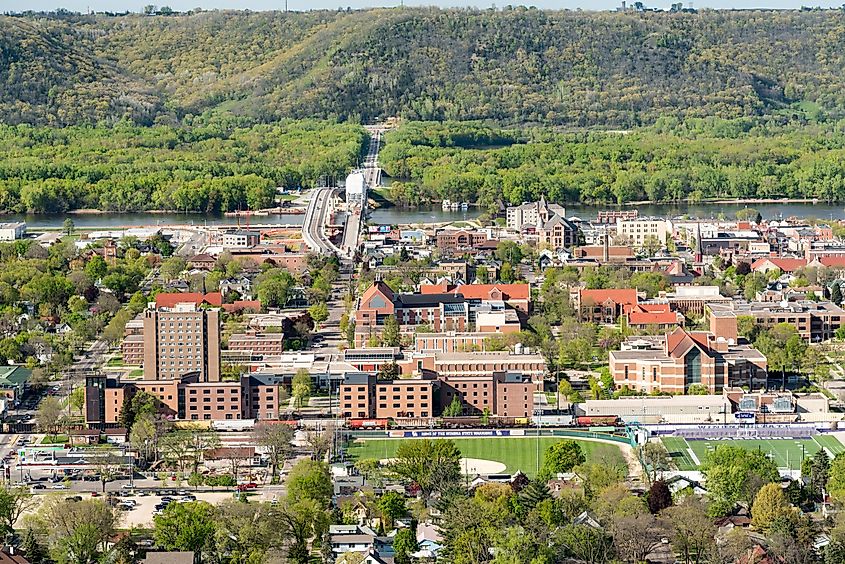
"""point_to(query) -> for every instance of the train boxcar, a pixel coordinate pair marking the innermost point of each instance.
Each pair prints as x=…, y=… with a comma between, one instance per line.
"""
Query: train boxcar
x=368, y=423
x=596, y=420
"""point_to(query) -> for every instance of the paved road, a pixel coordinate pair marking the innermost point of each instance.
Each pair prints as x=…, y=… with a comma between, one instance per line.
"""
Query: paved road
x=313, y=225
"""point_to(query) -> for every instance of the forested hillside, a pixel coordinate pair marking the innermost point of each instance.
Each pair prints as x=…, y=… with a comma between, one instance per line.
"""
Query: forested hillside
x=201, y=168
x=669, y=161
x=514, y=66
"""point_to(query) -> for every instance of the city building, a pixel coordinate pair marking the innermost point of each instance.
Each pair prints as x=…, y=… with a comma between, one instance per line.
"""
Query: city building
x=680, y=359
x=653, y=317
x=534, y=214
x=476, y=364
x=516, y=296
x=642, y=232
x=182, y=337
x=691, y=300
x=610, y=217
x=458, y=241
x=499, y=394
x=186, y=399
x=450, y=341
x=11, y=231
x=240, y=238
x=202, y=261
x=558, y=233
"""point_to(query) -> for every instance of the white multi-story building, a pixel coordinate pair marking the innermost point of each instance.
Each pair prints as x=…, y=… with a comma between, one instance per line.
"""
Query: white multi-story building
x=636, y=232
x=12, y=231
x=533, y=214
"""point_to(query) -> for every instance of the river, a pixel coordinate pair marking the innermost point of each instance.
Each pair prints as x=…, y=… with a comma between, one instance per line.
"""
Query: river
x=431, y=214
x=426, y=214
x=142, y=219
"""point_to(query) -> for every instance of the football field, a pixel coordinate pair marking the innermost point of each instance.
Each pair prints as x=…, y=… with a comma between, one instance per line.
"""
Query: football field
x=786, y=453
x=516, y=453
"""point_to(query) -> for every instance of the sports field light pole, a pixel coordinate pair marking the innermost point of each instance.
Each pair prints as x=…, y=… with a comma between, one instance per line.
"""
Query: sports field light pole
x=537, y=413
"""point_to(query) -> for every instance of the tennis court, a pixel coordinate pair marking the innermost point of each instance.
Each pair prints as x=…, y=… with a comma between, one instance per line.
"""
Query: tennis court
x=786, y=453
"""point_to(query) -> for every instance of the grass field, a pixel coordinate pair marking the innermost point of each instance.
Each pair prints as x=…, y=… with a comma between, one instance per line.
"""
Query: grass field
x=785, y=452
x=515, y=453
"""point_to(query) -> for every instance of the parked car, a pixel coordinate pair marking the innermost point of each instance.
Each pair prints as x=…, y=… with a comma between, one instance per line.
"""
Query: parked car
x=58, y=487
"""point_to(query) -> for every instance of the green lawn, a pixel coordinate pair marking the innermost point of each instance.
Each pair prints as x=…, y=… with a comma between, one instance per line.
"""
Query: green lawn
x=517, y=453
x=784, y=452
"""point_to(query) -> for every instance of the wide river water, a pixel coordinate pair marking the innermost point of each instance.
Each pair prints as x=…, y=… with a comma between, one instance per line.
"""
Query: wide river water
x=429, y=214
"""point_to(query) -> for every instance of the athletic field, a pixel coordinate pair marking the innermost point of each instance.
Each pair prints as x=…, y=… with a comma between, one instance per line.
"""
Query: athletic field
x=517, y=453
x=786, y=453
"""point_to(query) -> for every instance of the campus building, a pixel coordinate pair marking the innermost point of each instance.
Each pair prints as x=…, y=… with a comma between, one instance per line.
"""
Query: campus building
x=815, y=321
x=181, y=338
x=499, y=394
x=680, y=359
x=187, y=398
x=439, y=312
x=602, y=306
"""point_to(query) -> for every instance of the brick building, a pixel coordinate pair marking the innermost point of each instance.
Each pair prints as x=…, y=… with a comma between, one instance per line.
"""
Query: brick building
x=602, y=306
x=474, y=364
x=815, y=321
x=516, y=296
x=457, y=241
x=257, y=343
x=187, y=398
x=180, y=340
x=499, y=394
x=680, y=359
x=440, y=312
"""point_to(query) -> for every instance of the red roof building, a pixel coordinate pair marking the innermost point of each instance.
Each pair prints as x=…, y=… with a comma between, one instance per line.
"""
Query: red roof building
x=170, y=300
x=603, y=306
x=652, y=316
x=518, y=296
x=785, y=265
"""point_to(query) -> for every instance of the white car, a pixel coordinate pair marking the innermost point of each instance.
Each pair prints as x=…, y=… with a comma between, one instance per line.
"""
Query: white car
x=57, y=487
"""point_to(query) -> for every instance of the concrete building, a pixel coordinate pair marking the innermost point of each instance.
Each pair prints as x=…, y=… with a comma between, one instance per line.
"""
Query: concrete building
x=181, y=339
x=715, y=408
x=639, y=232
x=692, y=299
x=450, y=341
x=11, y=231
